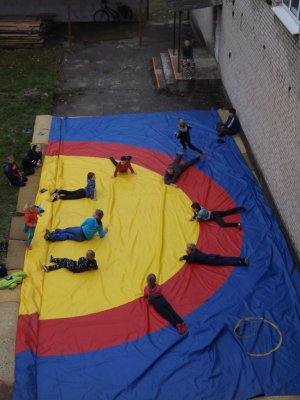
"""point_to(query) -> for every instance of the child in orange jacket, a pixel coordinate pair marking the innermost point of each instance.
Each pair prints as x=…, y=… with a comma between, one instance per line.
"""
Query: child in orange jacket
x=31, y=213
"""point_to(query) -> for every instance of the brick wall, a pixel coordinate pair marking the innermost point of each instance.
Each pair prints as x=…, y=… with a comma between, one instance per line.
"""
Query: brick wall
x=205, y=23
x=262, y=79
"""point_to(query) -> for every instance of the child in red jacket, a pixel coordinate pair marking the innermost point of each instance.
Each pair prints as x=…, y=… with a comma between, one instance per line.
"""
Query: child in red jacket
x=31, y=213
x=123, y=166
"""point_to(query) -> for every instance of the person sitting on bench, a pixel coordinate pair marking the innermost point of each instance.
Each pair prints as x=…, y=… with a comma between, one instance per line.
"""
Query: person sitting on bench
x=231, y=126
x=32, y=160
x=196, y=256
x=175, y=169
x=13, y=173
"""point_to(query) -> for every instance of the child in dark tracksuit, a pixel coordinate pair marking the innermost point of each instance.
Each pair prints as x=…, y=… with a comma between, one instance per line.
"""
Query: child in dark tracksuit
x=87, y=192
x=184, y=137
x=86, y=263
x=196, y=256
x=231, y=126
x=152, y=292
x=175, y=169
x=32, y=160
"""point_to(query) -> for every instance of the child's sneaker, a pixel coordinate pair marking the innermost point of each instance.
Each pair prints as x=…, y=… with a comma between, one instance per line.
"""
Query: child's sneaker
x=55, y=197
x=245, y=261
x=28, y=247
x=45, y=268
x=53, y=191
x=181, y=328
x=47, y=235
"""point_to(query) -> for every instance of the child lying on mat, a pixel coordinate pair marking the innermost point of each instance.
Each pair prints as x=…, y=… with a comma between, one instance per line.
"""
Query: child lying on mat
x=86, y=263
x=122, y=166
x=202, y=214
x=87, y=192
x=153, y=294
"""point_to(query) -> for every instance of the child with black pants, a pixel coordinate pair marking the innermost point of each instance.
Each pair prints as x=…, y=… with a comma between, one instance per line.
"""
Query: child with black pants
x=87, y=192
x=86, y=263
x=202, y=214
x=184, y=137
x=152, y=292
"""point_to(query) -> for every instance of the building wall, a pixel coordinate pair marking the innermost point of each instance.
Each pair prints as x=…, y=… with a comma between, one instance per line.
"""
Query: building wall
x=262, y=79
x=203, y=20
x=82, y=10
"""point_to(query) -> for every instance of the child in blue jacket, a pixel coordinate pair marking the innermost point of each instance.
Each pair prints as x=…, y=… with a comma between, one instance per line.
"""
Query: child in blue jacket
x=87, y=192
x=231, y=126
x=85, y=231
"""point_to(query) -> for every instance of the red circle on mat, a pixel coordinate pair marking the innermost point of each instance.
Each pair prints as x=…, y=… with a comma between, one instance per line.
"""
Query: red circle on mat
x=190, y=287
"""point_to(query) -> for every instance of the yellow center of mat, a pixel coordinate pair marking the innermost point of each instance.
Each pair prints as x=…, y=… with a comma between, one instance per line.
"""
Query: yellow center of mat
x=148, y=226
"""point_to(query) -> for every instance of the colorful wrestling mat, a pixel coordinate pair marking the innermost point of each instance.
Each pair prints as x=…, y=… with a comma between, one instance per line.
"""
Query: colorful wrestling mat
x=92, y=336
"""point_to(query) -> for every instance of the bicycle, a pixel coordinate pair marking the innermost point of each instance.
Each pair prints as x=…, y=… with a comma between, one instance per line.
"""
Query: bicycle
x=106, y=13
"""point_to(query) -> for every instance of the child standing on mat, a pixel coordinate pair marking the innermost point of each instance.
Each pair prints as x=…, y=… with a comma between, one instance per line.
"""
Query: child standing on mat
x=31, y=213
x=183, y=134
x=83, y=264
x=201, y=214
x=88, y=192
x=123, y=166
x=153, y=294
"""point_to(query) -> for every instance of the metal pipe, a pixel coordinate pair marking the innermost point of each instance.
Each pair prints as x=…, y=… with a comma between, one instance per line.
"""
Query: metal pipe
x=174, y=34
x=69, y=25
x=140, y=23
x=179, y=39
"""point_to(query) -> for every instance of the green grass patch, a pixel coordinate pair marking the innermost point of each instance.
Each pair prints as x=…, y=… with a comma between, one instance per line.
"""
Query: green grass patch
x=158, y=11
x=21, y=71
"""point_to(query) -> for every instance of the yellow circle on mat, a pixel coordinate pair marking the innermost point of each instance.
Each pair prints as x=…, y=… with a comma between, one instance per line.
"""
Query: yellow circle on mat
x=148, y=224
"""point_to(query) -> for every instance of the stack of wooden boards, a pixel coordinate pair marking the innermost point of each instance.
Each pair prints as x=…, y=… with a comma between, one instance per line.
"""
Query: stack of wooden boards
x=23, y=31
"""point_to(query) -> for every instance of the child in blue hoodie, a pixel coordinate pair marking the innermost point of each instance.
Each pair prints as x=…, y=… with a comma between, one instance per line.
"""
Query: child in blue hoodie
x=85, y=231
x=87, y=192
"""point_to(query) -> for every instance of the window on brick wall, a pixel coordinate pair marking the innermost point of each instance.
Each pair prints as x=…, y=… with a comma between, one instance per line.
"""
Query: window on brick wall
x=293, y=6
x=288, y=12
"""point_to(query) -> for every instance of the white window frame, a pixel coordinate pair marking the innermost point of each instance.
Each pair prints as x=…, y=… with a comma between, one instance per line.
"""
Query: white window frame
x=289, y=20
x=297, y=17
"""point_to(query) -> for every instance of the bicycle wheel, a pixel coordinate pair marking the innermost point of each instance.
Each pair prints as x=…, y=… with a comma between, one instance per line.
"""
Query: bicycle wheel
x=101, y=16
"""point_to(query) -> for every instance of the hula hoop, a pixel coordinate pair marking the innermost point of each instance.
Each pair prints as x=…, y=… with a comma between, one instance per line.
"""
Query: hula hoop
x=267, y=322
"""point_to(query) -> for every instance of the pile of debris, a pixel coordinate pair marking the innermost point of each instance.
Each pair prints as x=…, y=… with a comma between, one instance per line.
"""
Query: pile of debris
x=23, y=31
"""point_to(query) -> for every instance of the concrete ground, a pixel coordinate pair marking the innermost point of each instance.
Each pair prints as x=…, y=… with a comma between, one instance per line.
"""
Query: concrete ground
x=115, y=76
